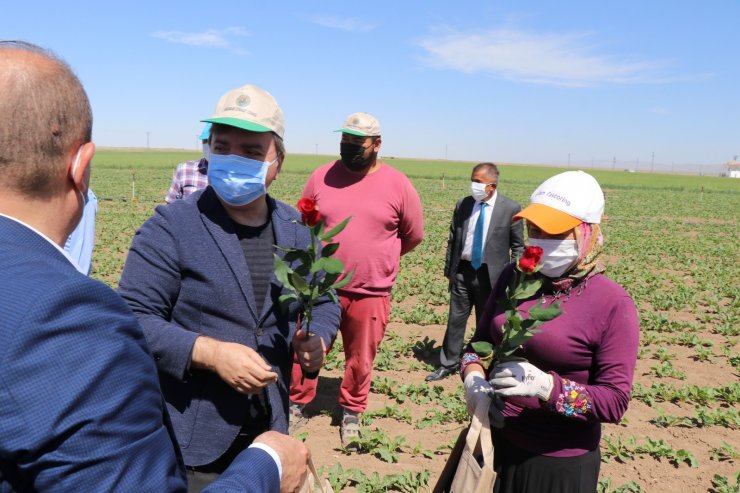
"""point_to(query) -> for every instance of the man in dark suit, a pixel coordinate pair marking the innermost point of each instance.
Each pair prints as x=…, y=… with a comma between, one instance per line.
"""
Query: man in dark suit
x=80, y=405
x=477, y=251
x=200, y=278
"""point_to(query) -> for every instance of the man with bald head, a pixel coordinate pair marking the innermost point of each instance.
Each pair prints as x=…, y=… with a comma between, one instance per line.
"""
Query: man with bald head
x=80, y=404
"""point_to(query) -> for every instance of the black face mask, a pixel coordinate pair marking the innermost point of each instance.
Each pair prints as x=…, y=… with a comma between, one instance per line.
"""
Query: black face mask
x=353, y=156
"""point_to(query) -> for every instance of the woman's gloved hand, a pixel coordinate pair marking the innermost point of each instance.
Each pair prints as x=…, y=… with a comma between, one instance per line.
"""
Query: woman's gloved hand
x=519, y=378
x=476, y=389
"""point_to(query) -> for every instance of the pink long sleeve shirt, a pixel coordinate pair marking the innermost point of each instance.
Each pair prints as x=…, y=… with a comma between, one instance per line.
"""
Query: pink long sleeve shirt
x=386, y=222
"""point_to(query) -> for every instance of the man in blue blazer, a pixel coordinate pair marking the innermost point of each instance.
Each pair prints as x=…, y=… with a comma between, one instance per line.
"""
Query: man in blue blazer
x=199, y=276
x=80, y=405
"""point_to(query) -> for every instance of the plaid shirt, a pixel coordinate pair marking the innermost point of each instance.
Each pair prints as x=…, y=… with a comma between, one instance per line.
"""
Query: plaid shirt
x=189, y=177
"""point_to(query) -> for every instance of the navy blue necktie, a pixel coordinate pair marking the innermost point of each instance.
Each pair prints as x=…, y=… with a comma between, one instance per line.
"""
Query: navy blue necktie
x=477, y=256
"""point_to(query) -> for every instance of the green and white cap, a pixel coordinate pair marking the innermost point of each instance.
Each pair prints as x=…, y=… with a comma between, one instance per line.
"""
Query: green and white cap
x=362, y=124
x=249, y=108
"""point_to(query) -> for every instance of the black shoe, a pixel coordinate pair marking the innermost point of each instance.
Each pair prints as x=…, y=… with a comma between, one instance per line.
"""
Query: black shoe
x=442, y=372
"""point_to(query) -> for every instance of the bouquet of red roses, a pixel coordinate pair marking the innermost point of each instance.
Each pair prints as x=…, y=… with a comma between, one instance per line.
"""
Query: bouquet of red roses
x=516, y=330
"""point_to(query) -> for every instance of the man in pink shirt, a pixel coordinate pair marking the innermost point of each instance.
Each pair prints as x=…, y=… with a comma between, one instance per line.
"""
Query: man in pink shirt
x=386, y=223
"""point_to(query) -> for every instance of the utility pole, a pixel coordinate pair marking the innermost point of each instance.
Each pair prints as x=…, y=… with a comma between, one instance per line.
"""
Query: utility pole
x=569, y=159
x=147, y=140
x=445, y=152
x=652, y=162
x=317, y=149
x=614, y=162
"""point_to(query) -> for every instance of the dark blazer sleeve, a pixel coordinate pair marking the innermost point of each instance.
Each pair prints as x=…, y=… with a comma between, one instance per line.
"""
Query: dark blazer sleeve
x=253, y=471
x=452, y=254
x=516, y=235
x=80, y=406
x=150, y=284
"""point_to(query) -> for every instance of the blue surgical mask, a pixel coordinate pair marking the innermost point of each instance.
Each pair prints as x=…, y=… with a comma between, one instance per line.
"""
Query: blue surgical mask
x=238, y=180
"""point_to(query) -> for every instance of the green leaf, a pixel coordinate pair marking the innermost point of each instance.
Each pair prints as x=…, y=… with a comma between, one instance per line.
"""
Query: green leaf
x=344, y=281
x=544, y=314
x=333, y=265
x=326, y=283
x=522, y=337
x=527, y=288
x=530, y=323
x=317, y=266
x=303, y=270
x=329, y=235
x=285, y=299
x=329, y=249
x=294, y=255
x=282, y=271
x=482, y=348
x=316, y=228
x=299, y=283
x=515, y=321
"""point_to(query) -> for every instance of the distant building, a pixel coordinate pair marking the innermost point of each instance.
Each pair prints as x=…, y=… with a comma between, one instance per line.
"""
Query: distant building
x=733, y=168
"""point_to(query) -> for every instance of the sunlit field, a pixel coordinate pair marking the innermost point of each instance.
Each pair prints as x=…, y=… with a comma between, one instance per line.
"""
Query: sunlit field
x=671, y=241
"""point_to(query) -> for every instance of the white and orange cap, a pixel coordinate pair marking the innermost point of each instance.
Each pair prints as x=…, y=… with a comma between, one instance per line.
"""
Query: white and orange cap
x=563, y=202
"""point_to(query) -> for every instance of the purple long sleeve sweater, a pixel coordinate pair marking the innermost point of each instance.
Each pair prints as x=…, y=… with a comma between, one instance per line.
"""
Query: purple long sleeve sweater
x=591, y=352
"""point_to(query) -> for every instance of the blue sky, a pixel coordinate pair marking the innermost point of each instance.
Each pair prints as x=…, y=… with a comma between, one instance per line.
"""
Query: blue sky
x=649, y=82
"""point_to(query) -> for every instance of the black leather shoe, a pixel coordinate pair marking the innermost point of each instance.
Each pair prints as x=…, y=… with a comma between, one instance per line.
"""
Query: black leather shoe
x=442, y=372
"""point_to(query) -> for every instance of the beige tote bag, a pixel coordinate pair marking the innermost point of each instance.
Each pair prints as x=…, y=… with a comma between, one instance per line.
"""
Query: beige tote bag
x=314, y=483
x=471, y=476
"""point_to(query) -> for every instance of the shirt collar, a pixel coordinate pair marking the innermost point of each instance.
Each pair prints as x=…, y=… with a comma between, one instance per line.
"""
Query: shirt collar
x=62, y=250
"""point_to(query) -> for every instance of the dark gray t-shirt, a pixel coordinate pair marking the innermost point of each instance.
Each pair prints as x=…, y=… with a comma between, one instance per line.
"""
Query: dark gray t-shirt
x=258, y=245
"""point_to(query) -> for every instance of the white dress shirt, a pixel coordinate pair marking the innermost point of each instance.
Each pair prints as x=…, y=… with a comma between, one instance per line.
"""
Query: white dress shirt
x=467, y=251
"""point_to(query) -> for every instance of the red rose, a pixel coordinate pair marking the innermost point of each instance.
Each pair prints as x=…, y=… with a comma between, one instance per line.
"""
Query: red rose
x=309, y=211
x=311, y=218
x=530, y=258
x=306, y=204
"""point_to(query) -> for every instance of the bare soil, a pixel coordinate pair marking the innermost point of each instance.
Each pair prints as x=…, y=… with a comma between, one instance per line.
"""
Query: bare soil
x=651, y=474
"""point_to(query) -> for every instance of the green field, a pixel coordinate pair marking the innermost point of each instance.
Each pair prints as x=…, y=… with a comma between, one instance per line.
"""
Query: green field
x=671, y=240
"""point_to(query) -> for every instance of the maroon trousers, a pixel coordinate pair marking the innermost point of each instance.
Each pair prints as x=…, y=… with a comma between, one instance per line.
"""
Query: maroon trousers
x=364, y=319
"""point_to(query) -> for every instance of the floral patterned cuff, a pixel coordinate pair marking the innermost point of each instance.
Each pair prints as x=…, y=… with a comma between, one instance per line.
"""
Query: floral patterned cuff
x=573, y=399
x=468, y=359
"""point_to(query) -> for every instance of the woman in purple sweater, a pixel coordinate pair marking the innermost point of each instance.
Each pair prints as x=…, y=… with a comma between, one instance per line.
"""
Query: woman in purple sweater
x=578, y=369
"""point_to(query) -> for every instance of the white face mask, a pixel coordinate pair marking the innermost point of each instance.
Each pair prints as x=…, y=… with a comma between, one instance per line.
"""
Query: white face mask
x=557, y=255
x=478, y=191
x=74, y=171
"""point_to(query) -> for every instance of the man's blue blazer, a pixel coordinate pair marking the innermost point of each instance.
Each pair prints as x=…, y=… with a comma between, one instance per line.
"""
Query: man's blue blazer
x=80, y=405
x=186, y=276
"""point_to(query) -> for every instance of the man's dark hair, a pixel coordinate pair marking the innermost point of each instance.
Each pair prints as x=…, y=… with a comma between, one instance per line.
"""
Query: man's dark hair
x=46, y=115
x=489, y=168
